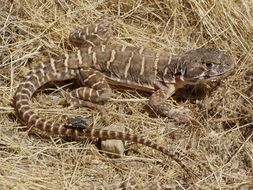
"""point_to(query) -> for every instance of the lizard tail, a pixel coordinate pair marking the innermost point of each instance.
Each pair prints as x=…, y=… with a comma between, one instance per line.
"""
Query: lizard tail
x=37, y=79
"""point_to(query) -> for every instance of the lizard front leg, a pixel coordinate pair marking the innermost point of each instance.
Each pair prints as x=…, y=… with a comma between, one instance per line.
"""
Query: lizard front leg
x=158, y=99
x=94, y=94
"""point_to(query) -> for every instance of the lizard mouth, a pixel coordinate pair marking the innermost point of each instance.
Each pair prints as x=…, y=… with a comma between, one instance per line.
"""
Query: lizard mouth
x=219, y=75
x=209, y=76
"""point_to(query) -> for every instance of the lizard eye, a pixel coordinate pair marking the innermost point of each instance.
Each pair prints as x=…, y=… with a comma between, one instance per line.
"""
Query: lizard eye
x=209, y=64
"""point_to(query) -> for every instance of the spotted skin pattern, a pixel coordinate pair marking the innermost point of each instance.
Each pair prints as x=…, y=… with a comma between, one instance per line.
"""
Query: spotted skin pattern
x=97, y=65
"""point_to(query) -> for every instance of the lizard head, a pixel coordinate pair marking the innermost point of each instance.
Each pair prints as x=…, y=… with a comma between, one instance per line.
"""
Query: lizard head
x=205, y=64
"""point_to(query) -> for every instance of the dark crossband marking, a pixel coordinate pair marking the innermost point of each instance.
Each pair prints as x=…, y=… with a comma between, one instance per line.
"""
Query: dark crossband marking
x=112, y=58
x=128, y=64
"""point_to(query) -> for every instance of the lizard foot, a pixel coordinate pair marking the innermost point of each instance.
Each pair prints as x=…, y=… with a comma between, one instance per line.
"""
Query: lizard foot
x=77, y=122
x=100, y=108
x=180, y=115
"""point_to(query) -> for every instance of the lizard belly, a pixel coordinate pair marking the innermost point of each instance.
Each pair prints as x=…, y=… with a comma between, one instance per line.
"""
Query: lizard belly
x=130, y=84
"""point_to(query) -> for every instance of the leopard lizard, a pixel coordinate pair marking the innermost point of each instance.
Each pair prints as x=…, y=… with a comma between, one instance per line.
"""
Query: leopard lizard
x=97, y=65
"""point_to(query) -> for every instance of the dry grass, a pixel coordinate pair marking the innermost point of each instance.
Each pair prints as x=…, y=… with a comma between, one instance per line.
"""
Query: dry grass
x=215, y=146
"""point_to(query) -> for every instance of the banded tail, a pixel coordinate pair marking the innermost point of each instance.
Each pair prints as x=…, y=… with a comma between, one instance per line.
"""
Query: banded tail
x=38, y=78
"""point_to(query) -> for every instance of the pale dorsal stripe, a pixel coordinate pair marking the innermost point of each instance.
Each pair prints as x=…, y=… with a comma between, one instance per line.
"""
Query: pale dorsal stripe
x=141, y=50
x=84, y=92
x=66, y=63
x=128, y=64
x=112, y=58
x=94, y=58
x=91, y=43
x=123, y=48
x=52, y=64
x=37, y=121
x=90, y=94
x=26, y=113
x=142, y=65
x=87, y=31
x=90, y=50
x=103, y=47
x=157, y=57
x=79, y=57
x=89, y=77
x=165, y=71
x=31, y=117
x=23, y=94
x=97, y=83
x=96, y=28
x=31, y=84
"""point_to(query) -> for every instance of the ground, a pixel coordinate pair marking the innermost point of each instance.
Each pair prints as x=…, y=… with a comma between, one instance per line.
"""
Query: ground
x=217, y=145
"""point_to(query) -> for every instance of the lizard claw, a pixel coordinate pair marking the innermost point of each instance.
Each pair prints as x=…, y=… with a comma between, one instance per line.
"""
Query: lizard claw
x=180, y=115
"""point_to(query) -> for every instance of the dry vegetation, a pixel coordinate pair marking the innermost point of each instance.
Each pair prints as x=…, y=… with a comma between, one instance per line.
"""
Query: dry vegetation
x=217, y=146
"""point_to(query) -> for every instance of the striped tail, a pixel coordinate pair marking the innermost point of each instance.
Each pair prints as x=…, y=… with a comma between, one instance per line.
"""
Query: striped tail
x=40, y=77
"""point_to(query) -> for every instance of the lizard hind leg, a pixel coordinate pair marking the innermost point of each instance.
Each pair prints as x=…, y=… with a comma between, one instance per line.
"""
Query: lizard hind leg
x=94, y=94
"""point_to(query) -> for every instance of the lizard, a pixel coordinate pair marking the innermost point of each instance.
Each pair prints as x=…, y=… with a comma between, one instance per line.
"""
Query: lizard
x=97, y=66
